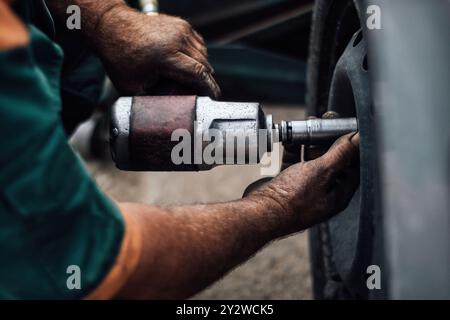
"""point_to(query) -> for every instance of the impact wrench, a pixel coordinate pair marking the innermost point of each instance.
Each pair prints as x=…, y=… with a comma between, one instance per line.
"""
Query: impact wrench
x=145, y=130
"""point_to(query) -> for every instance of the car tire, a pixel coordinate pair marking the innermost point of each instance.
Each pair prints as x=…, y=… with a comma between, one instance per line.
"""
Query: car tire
x=343, y=248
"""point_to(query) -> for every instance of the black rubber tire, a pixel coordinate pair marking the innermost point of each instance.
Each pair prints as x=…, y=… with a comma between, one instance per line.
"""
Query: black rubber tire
x=387, y=241
x=329, y=37
x=321, y=61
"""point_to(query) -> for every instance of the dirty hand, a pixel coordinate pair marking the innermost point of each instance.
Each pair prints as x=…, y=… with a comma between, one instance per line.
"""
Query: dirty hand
x=139, y=50
x=310, y=192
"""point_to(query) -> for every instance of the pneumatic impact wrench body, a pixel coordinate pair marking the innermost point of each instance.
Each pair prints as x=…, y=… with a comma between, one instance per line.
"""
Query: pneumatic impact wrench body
x=173, y=133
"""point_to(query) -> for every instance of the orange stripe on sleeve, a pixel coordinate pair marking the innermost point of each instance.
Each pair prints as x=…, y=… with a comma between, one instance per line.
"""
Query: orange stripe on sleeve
x=126, y=262
x=13, y=33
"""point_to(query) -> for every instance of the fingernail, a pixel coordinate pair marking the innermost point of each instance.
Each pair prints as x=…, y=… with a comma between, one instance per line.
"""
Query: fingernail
x=355, y=139
x=330, y=115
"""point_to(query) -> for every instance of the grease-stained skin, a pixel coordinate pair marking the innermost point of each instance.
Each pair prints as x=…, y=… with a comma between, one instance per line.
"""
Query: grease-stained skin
x=189, y=247
x=138, y=49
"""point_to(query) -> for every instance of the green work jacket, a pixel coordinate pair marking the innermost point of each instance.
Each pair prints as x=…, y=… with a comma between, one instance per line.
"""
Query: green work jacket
x=59, y=234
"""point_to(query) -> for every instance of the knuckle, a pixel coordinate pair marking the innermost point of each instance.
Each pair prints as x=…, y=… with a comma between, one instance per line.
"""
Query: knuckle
x=182, y=29
x=185, y=26
x=200, y=37
x=201, y=47
x=200, y=71
x=340, y=153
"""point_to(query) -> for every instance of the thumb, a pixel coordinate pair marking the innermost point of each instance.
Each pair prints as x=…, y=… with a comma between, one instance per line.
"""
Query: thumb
x=343, y=161
x=190, y=72
x=344, y=152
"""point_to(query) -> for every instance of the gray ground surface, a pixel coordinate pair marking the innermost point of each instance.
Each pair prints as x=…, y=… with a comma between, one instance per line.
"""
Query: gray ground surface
x=279, y=271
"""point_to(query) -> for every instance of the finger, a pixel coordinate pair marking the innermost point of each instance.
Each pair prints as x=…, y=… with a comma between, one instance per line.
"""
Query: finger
x=195, y=54
x=200, y=46
x=342, y=185
x=190, y=72
x=343, y=153
x=350, y=141
x=330, y=115
x=196, y=41
x=198, y=37
x=192, y=36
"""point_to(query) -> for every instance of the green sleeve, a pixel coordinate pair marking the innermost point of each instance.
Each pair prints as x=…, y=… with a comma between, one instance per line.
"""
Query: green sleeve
x=52, y=214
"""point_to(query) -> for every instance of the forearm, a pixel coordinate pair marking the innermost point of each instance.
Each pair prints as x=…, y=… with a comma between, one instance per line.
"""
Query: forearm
x=185, y=249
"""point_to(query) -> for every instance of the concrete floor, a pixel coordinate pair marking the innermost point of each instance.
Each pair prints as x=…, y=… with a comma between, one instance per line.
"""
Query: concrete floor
x=279, y=271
